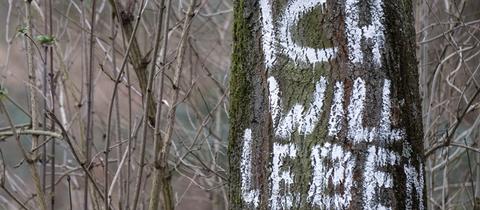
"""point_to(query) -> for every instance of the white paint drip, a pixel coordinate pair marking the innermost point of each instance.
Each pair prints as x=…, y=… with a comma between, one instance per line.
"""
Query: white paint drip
x=320, y=177
x=385, y=123
x=356, y=132
x=284, y=199
x=386, y=133
x=249, y=195
x=268, y=33
x=289, y=122
x=294, y=10
x=315, y=110
x=340, y=172
x=414, y=181
x=336, y=113
x=298, y=117
x=274, y=98
x=356, y=33
x=374, y=178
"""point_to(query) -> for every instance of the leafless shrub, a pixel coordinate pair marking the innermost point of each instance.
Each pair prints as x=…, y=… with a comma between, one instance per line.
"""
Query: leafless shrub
x=95, y=100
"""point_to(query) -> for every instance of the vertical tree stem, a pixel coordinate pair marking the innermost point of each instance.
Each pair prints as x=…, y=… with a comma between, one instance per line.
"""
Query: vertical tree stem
x=90, y=102
x=117, y=81
x=44, y=92
x=146, y=108
x=52, y=90
x=155, y=191
x=164, y=172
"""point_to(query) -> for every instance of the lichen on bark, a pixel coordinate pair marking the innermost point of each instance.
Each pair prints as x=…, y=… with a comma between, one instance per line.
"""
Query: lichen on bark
x=240, y=88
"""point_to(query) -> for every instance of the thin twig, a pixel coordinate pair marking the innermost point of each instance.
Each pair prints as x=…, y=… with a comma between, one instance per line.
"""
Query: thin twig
x=30, y=132
x=448, y=137
x=78, y=158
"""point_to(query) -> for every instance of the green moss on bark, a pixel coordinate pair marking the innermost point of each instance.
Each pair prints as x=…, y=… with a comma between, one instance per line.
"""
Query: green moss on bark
x=310, y=29
x=240, y=95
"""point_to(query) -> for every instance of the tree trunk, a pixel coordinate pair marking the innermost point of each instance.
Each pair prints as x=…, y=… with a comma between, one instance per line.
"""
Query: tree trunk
x=325, y=109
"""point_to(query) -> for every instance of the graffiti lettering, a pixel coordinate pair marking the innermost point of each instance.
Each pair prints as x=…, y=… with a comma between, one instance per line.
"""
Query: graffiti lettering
x=332, y=164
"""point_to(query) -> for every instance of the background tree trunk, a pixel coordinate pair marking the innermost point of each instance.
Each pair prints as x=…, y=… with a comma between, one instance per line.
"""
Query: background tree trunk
x=325, y=109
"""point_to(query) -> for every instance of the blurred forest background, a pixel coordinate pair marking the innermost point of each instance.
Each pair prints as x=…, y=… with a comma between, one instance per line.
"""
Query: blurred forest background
x=85, y=95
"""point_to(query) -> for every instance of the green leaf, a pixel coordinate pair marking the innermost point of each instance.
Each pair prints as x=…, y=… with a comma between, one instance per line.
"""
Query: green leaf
x=45, y=39
x=3, y=92
x=22, y=29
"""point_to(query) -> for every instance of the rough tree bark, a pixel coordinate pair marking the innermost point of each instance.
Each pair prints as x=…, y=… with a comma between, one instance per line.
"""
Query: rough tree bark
x=325, y=110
